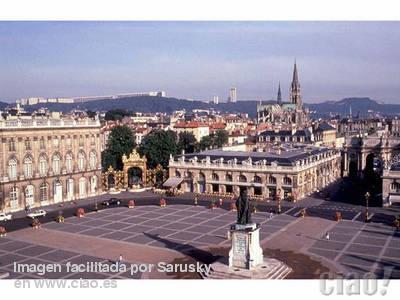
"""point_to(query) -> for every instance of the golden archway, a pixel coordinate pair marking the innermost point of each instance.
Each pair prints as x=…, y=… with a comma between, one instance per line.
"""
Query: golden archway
x=118, y=178
x=134, y=161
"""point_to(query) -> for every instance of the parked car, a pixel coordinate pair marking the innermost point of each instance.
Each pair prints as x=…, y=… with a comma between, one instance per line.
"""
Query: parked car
x=112, y=201
x=5, y=217
x=37, y=213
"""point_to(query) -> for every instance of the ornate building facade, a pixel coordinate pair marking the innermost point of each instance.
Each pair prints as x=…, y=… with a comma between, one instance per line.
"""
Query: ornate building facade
x=290, y=172
x=47, y=161
x=285, y=114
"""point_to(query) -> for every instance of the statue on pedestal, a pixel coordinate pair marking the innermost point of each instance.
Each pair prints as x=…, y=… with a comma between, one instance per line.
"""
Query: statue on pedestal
x=243, y=208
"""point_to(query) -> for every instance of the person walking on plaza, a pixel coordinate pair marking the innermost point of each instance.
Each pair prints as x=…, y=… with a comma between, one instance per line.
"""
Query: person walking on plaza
x=327, y=236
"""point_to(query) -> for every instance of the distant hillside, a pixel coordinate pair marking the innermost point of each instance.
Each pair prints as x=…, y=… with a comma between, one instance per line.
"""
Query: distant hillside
x=159, y=104
x=363, y=106
x=3, y=105
x=151, y=104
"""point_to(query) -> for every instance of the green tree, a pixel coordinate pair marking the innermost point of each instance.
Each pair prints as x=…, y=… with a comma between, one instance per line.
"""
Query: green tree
x=187, y=142
x=157, y=146
x=214, y=140
x=91, y=114
x=116, y=114
x=206, y=142
x=121, y=141
x=220, y=138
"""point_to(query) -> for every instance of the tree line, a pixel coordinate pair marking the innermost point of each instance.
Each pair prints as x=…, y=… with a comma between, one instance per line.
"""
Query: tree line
x=157, y=146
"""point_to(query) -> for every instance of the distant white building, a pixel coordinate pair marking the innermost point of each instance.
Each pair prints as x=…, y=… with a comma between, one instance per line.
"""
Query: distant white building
x=216, y=100
x=232, y=95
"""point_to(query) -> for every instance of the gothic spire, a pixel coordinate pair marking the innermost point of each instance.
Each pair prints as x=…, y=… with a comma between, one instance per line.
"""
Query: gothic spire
x=279, y=98
x=295, y=97
x=295, y=80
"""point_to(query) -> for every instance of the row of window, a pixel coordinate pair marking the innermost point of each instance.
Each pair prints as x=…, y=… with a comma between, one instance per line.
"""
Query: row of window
x=44, y=191
x=28, y=166
x=42, y=144
x=242, y=178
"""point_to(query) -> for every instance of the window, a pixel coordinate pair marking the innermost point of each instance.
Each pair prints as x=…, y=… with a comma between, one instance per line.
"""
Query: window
x=92, y=140
x=28, y=144
x=82, y=187
x=228, y=177
x=257, y=179
x=81, y=161
x=11, y=145
x=68, y=162
x=56, y=142
x=68, y=141
x=70, y=189
x=92, y=160
x=215, y=176
x=42, y=144
x=28, y=167
x=242, y=178
x=14, y=192
x=80, y=141
x=42, y=165
x=56, y=164
x=287, y=181
x=271, y=180
x=12, y=169
x=43, y=192
x=177, y=174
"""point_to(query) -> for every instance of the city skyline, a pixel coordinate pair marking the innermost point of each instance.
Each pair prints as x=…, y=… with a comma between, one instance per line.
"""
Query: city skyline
x=199, y=60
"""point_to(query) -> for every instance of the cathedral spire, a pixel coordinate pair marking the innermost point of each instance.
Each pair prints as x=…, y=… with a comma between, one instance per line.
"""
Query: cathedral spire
x=295, y=97
x=279, y=97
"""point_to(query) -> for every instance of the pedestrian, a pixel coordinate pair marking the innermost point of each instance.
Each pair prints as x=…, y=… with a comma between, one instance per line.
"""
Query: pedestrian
x=271, y=214
x=119, y=262
x=327, y=236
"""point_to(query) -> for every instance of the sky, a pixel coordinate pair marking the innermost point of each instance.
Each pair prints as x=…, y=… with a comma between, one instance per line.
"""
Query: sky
x=199, y=60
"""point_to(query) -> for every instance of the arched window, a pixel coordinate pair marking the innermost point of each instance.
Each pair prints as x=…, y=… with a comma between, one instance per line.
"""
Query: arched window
x=68, y=162
x=93, y=185
x=56, y=164
x=228, y=177
x=92, y=160
x=82, y=187
x=12, y=169
x=42, y=165
x=257, y=179
x=30, y=195
x=242, y=178
x=177, y=174
x=287, y=181
x=70, y=189
x=271, y=180
x=215, y=176
x=28, y=167
x=81, y=161
x=43, y=192
x=14, y=192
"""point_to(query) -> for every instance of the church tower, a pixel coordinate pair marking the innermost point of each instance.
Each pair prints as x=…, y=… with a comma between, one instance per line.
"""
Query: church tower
x=295, y=97
x=279, y=97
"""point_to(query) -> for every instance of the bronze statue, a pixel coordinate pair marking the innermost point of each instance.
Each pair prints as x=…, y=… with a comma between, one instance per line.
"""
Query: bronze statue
x=243, y=208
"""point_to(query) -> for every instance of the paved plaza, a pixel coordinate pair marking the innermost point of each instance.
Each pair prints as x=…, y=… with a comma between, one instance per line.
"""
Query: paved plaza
x=362, y=248
x=353, y=245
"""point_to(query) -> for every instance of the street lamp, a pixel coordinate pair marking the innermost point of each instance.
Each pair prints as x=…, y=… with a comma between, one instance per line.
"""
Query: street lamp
x=367, y=196
x=278, y=198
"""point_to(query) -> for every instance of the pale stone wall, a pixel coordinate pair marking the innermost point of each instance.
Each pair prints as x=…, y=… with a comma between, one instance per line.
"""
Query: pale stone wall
x=72, y=139
x=290, y=180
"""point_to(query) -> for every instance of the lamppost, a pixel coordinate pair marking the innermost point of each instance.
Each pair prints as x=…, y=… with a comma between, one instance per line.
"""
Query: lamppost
x=278, y=198
x=367, y=196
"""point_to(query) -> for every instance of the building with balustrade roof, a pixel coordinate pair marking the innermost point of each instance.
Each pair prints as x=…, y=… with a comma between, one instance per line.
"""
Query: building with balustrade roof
x=47, y=161
x=288, y=171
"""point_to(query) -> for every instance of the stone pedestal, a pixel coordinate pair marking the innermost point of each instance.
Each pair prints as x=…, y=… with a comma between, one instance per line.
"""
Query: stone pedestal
x=246, y=260
x=245, y=252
